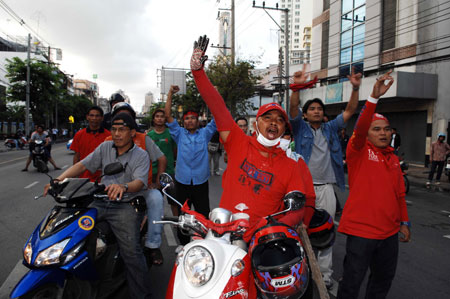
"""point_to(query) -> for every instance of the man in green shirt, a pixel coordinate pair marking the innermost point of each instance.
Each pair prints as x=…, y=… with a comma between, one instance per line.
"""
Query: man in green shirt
x=161, y=136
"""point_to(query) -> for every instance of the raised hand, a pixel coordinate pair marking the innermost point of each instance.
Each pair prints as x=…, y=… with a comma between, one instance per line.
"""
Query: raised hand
x=300, y=76
x=174, y=89
x=198, y=57
x=355, y=78
x=379, y=88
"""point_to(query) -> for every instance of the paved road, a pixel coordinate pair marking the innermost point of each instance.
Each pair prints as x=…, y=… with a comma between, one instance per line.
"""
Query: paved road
x=422, y=269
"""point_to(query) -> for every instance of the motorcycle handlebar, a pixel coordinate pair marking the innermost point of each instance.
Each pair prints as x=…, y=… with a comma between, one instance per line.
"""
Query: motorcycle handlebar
x=170, y=218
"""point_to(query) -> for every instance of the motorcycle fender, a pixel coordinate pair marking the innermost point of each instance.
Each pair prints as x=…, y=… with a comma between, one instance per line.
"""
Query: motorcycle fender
x=169, y=291
x=37, y=277
x=242, y=285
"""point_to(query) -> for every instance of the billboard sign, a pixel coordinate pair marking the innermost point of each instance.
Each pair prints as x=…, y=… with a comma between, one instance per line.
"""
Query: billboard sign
x=173, y=77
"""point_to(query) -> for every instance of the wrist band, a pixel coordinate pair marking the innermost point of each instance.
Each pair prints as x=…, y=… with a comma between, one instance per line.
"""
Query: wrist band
x=356, y=88
x=372, y=100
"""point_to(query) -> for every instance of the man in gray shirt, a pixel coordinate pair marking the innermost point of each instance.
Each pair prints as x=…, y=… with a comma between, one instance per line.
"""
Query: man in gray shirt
x=123, y=219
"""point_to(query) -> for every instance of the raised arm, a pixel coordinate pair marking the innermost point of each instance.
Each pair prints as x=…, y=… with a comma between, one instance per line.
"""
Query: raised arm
x=355, y=80
x=365, y=118
x=299, y=78
x=168, y=107
x=210, y=95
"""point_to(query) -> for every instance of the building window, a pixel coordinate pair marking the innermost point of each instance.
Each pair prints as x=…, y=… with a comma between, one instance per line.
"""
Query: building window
x=389, y=23
x=297, y=20
x=297, y=27
x=297, y=13
x=297, y=6
x=296, y=40
x=353, y=29
x=296, y=34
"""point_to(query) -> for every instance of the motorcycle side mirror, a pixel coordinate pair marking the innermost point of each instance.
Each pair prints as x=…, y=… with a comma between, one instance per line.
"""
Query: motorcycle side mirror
x=165, y=179
x=110, y=169
x=41, y=166
x=294, y=200
x=113, y=168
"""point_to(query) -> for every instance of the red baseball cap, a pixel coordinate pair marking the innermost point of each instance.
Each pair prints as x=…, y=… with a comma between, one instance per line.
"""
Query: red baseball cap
x=274, y=106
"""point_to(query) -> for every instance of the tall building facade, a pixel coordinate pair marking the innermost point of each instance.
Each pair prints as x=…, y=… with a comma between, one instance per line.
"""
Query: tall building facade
x=299, y=20
x=148, y=102
x=410, y=37
x=224, y=33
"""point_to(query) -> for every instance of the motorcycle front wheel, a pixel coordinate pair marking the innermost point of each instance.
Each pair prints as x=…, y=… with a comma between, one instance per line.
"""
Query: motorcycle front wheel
x=46, y=291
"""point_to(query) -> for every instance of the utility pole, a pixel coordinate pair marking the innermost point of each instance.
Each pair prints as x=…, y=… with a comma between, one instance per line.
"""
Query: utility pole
x=27, y=98
x=233, y=45
x=286, y=44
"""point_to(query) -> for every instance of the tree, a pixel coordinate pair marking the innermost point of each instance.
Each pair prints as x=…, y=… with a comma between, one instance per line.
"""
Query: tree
x=45, y=86
x=236, y=83
x=74, y=105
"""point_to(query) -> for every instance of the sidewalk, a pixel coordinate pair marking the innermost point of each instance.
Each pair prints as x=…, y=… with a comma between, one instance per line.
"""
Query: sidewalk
x=418, y=176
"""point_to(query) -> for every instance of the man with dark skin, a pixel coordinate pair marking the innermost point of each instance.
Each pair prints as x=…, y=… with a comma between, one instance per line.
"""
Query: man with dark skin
x=40, y=134
x=192, y=171
x=123, y=219
x=87, y=140
x=318, y=142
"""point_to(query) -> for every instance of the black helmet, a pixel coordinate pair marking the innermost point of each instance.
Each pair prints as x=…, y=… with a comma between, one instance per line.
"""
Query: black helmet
x=279, y=263
x=123, y=106
x=116, y=98
x=321, y=230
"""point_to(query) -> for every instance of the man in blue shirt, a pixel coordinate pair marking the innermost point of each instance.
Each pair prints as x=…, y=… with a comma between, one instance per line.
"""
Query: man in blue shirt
x=192, y=167
x=318, y=142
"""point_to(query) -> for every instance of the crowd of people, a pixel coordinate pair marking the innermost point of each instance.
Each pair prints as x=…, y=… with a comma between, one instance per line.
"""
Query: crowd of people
x=260, y=169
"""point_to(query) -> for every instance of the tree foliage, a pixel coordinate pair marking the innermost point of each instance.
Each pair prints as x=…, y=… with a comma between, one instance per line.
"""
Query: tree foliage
x=45, y=86
x=235, y=82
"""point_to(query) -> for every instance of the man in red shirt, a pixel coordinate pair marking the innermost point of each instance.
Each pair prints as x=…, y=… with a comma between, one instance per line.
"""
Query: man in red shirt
x=86, y=140
x=375, y=210
x=259, y=173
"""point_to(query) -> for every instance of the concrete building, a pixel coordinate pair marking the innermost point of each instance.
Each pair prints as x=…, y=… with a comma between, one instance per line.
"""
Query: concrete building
x=299, y=20
x=86, y=88
x=412, y=38
x=149, y=100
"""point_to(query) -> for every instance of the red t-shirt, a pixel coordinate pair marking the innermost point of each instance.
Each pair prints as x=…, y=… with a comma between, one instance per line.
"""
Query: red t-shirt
x=261, y=182
x=85, y=142
x=376, y=202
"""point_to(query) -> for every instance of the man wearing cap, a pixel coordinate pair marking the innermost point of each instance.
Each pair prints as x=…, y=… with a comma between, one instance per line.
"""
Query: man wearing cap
x=192, y=171
x=375, y=211
x=259, y=173
x=153, y=197
x=113, y=100
x=123, y=219
x=318, y=142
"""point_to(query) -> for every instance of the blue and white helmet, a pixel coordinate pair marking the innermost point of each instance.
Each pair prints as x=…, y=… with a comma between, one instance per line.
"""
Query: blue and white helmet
x=441, y=134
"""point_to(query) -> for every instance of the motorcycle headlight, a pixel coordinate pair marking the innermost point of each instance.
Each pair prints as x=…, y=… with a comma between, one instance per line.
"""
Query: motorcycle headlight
x=72, y=253
x=27, y=253
x=237, y=267
x=51, y=255
x=198, y=265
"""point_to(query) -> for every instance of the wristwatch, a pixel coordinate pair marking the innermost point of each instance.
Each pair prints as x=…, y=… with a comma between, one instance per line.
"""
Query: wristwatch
x=407, y=223
x=126, y=187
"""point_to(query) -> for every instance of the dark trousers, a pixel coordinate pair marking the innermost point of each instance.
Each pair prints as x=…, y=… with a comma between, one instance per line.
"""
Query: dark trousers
x=198, y=195
x=440, y=167
x=378, y=255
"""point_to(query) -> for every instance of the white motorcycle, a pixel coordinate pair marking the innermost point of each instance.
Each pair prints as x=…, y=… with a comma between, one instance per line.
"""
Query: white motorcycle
x=216, y=264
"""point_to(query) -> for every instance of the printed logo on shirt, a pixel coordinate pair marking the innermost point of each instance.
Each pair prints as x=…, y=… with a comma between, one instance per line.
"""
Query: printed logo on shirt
x=373, y=156
x=257, y=174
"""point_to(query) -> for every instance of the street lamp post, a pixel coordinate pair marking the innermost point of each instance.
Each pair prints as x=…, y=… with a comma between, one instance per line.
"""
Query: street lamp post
x=27, y=98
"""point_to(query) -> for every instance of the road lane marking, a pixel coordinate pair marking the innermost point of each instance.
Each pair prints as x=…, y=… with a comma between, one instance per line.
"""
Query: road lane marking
x=31, y=185
x=170, y=236
x=444, y=211
x=13, y=160
x=408, y=202
x=65, y=166
x=447, y=236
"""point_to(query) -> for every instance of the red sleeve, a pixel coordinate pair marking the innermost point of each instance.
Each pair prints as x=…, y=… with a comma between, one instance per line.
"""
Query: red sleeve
x=214, y=101
x=307, y=187
x=362, y=126
x=75, y=146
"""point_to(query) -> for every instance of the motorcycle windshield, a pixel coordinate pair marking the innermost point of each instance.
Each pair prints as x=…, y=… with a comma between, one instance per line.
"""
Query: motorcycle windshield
x=76, y=188
x=58, y=218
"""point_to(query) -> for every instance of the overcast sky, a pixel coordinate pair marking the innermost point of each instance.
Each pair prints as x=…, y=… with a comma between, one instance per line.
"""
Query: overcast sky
x=126, y=42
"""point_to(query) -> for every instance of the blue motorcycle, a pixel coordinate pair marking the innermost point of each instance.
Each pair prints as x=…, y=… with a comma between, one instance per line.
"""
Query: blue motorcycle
x=69, y=254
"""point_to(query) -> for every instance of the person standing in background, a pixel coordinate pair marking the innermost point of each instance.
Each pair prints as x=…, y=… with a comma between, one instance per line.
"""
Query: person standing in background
x=439, y=151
